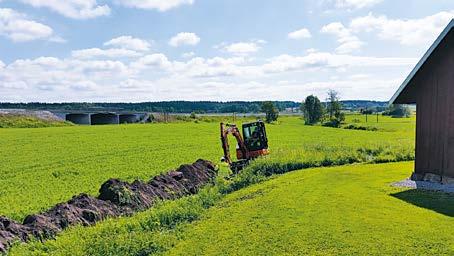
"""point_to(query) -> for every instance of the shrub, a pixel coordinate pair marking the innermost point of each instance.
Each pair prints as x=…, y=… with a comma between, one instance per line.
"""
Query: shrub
x=398, y=111
x=362, y=128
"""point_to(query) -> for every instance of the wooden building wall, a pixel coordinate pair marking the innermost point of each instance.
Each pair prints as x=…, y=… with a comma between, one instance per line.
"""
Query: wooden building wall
x=434, y=86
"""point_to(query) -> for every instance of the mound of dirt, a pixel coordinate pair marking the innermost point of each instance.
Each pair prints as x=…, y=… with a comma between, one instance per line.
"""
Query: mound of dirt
x=116, y=198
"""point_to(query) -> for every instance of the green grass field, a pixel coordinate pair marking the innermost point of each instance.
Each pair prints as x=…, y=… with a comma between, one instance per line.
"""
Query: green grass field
x=43, y=166
x=324, y=210
x=348, y=210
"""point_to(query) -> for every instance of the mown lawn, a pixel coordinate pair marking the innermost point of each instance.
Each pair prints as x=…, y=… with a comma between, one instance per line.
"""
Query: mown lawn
x=43, y=166
x=349, y=210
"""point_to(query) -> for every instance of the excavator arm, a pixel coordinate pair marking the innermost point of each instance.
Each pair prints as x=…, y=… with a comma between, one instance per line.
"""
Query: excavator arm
x=227, y=129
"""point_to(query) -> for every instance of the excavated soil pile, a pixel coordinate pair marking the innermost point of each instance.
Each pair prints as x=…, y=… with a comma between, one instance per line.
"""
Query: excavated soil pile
x=116, y=198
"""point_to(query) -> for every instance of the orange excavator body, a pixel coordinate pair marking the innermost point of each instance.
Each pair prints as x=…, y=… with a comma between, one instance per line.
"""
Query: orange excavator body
x=252, y=144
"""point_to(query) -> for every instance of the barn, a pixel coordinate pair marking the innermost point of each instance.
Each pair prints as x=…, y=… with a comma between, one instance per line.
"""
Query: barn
x=430, y=86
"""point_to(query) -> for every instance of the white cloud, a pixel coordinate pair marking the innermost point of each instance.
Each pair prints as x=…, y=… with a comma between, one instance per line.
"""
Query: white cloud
x=109, y=53
x=184, y=38
x=157, y=60
x=348, y=42
x=242, y=48
x=300, y=34
x=57, y=39
x=215, y=67
x=407, y=32
x=323, y=60
x=161, y=5
x=17, y=27
x=76, y=9
x=356, y=4
x=84, y=86
x=188, y=55
x=129, y=42
x=123, y=74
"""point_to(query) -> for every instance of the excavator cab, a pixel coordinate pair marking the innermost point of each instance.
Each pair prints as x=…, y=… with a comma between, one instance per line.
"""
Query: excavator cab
x=255, y=139
x=252, y=143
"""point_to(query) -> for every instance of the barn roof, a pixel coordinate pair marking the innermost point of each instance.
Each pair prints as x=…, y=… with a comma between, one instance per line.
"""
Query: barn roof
x=422, y=61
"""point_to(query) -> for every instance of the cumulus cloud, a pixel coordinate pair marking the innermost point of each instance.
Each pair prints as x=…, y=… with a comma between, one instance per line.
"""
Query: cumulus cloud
x=157, y=60
x=300, y=34
x=109, y=53
x=356, y=4
x=124, y=74
x=129, y=42
x=324, y=60
x=407, y=32
x=188, y=54
x=242, y=48
x=184, y=38
x=76, y=9
x=19, y=28
x=347, y=41
x=160, y=5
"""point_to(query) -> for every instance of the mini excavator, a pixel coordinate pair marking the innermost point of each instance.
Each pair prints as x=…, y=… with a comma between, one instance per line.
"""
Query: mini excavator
x=252, y=144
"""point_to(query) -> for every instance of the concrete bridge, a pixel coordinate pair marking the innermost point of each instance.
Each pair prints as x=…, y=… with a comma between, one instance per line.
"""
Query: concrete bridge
x=99, y=118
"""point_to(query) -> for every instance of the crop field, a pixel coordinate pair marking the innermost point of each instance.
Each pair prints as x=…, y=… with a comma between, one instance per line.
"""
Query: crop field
x=44, y=166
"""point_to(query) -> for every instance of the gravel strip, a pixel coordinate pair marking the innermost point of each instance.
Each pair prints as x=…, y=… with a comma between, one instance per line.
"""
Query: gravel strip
x=424, y=185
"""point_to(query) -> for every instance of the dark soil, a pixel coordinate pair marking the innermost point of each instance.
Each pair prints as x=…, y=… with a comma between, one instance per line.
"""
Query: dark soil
x=116, y=198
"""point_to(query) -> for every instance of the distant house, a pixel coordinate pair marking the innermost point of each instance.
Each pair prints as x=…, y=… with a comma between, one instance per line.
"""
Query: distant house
x=431, y=87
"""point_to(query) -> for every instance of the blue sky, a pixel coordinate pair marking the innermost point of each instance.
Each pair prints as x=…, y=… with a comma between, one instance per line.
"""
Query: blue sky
x=149, y=50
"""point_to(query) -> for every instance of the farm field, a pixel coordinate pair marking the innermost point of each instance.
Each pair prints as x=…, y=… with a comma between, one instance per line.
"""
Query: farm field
x=43, y=166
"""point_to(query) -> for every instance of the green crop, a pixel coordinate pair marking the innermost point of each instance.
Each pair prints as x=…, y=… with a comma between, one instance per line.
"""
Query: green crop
x=44, y=166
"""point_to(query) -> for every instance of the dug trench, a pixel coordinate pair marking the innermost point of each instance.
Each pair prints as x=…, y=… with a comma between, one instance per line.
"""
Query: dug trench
x=116, y=198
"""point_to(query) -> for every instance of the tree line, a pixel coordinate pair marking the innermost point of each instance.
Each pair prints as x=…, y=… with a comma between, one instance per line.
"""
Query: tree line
x=331, y=112
x=198, y=107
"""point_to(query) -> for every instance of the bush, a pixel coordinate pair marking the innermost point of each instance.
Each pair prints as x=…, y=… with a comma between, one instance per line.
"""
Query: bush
x=397, y=111
x=362, y=128
x=332, y=123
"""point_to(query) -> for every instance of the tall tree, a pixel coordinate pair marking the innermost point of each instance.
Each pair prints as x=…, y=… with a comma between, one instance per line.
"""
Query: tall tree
x=312, y=109
x=334, y=109
x=332, y=103
x=272, y=113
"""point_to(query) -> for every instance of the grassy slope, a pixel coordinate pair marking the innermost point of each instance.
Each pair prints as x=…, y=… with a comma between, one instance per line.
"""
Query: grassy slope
x=21, y=121
x=340, y=210
x=41, y=167
x=349, y=210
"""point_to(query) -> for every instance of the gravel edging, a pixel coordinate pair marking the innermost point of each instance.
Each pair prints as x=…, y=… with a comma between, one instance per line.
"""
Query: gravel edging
x=424, y=185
